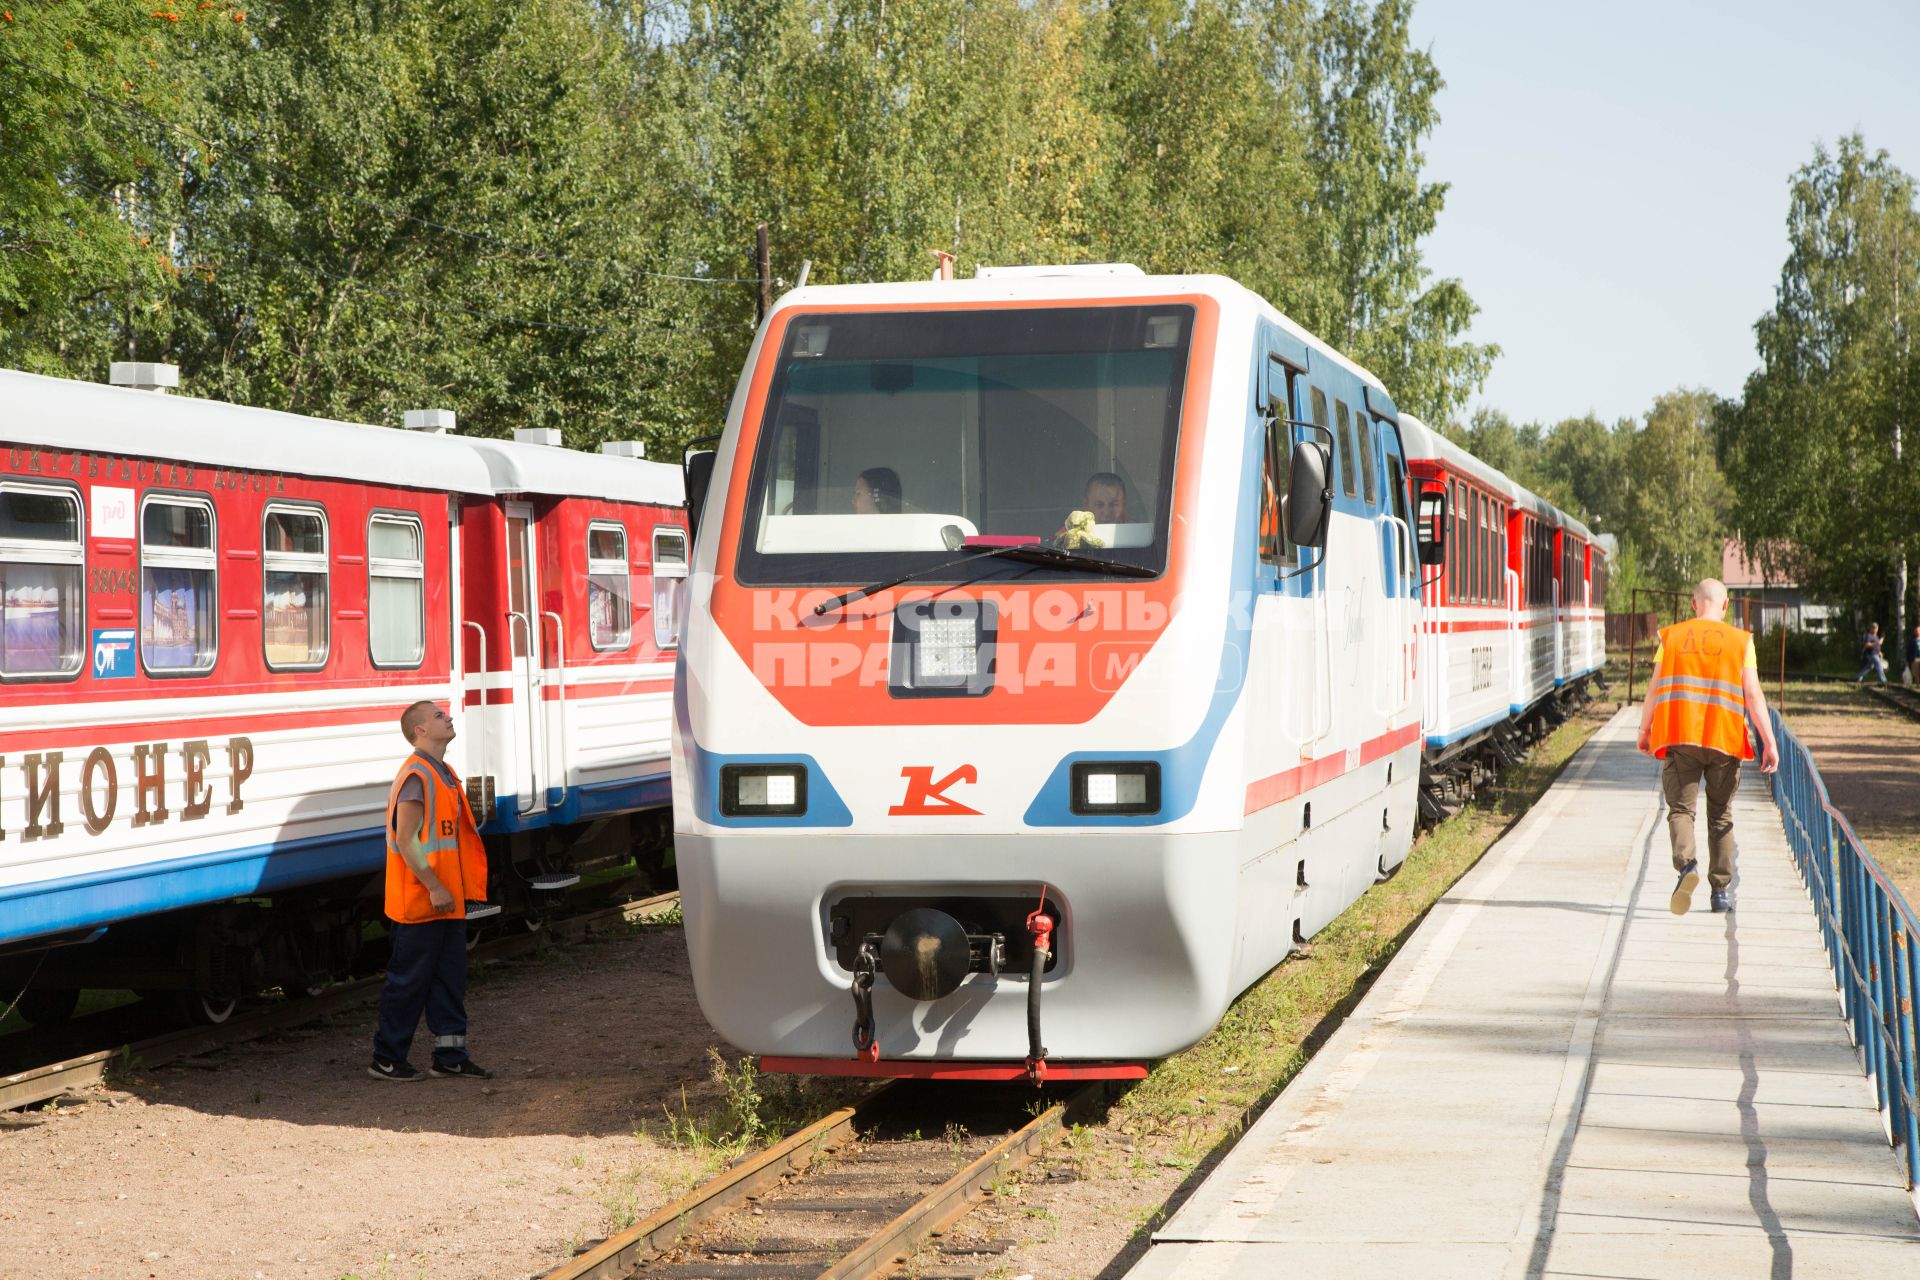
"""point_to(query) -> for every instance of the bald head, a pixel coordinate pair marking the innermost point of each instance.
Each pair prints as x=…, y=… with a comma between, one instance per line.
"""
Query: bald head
x=1710, y=599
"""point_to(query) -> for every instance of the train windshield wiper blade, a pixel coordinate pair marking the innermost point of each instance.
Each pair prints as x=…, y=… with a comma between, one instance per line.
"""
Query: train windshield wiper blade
x=1024, y=553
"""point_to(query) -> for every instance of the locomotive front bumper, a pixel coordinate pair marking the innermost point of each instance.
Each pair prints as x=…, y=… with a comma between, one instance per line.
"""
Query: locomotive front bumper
x=1141, y=965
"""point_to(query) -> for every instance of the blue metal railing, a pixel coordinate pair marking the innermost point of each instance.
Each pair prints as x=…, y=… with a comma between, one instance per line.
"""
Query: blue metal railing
x=1872, y=937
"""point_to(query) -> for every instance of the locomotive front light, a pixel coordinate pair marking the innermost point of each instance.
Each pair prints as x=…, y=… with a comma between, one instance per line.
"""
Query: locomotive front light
x=763, y=790
x=1105, y=787
x=942, y=648
x=949, y=649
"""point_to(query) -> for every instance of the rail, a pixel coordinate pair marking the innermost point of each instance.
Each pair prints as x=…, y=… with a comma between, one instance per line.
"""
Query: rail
x=655, y=1238
x=1872, y=938
x=35, y=1085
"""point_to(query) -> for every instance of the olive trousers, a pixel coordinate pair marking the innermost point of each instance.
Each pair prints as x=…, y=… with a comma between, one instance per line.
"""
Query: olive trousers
x=1680, y=780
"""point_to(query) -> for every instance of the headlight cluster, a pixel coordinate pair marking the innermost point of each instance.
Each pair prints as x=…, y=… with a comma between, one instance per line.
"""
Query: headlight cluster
x=1122, y=787
x=763, y=790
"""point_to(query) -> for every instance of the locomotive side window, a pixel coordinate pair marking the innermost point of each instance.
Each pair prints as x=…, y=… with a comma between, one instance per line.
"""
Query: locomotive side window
x=609, y=588
x=1348, y=484
x=294, y=615
x=42, y=562
x=396, y=591
x=1364, y=428
x=178, y=618
x=1275, y=549
x=669, y=585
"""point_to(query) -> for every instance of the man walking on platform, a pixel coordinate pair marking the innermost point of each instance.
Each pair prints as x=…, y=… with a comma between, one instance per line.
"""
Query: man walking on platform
x=436, y=865
x=1706, y=683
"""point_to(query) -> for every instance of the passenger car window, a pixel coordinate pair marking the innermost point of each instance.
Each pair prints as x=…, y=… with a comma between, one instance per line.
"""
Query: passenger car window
x=42, y=559
x=669, y=585
x=294, y=619
x=609, y=587
x=396, y=591
x=178, y=567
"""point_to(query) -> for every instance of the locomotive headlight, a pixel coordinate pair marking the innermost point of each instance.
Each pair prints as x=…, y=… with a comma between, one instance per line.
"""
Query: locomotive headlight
x=949, y=650
x=942, y=647
x=763, y=790
x=1123, y=787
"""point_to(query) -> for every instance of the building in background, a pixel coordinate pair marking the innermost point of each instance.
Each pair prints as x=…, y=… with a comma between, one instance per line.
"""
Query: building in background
x=1741, y=569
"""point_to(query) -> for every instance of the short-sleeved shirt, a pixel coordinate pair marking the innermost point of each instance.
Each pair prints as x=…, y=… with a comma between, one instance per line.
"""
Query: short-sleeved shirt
x=1748, y=663
x=412, y=789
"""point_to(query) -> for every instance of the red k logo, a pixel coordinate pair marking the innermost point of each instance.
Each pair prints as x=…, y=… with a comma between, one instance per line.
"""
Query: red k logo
x=926, y=798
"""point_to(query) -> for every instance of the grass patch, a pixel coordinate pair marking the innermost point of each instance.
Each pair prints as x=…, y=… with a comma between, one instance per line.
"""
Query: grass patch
x=1201, y=1095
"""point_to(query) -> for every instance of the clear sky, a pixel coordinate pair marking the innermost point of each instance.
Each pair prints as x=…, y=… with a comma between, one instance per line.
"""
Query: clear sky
x=1619, y=175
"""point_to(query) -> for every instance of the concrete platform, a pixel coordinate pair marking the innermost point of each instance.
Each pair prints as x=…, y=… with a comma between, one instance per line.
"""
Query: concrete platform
x=1559, y=1077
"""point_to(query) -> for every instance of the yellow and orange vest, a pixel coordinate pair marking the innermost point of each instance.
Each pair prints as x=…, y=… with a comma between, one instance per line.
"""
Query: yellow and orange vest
x=455, y=852
x=1698, y=693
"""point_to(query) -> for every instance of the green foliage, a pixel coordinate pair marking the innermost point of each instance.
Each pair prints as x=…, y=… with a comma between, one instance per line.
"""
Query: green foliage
x=1654, y=485
x=92, y=161
x=1812, y=448
x=1676, y=504
x=543, y=214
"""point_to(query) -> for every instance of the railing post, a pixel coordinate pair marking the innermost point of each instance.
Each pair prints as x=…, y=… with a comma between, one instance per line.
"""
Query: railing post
x=1872, y=939
x=1906, y=952
x=1900, y=1032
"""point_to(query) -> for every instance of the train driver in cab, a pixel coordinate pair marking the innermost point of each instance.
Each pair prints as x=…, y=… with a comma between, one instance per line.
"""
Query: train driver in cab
x=876, y=491
x=1106, y=498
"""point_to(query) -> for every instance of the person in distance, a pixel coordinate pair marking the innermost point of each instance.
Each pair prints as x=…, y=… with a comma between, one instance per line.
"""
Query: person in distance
x=1706, y=684
x=436, y=866
x=1873, y=660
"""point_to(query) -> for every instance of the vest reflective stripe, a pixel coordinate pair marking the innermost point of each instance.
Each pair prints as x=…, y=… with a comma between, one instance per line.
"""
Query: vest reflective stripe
x=1689, y=692
x=447, y=835
x=1698, y=696
x=1731, y=689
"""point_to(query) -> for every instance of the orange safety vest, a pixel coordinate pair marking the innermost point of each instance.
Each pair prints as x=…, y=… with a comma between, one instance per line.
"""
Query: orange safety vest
x=1698, y=693
x=455, y=852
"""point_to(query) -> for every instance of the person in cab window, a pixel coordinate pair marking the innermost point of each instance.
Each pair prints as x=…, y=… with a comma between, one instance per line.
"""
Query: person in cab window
x=436, y=866
x=876, y=491
x=1107, y=498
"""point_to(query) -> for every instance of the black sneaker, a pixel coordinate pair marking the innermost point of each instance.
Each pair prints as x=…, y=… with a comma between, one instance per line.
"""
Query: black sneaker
x=1720, y=902
x=402, y=1070
x=1683, y=891
x=465, y=1069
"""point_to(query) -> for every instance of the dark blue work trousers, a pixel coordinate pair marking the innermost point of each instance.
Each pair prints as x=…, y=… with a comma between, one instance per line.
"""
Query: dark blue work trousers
x=427, y=973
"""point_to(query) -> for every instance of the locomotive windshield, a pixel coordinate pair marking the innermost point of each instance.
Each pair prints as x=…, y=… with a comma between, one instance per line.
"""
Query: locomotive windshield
x=890, y=438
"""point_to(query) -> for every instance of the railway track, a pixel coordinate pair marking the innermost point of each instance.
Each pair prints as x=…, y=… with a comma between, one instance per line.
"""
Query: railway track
x=54, y=1080
x=853, y=1195
x=1902, y=699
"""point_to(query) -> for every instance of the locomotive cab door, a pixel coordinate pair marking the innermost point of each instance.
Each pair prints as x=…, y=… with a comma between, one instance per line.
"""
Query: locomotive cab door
x=1400, y=576
x=528, y=680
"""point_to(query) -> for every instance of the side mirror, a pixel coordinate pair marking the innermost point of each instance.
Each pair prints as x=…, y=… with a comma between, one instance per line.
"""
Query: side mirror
x=1309, y=497
x=698, y=467
x=1432, y=523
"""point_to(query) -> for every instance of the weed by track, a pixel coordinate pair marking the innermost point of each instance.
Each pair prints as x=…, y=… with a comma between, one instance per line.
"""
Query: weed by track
x=1193, y=1104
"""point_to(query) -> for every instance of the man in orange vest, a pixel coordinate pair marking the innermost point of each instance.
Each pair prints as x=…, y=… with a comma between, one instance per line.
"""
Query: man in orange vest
x=436, y=865
x=1706, y=684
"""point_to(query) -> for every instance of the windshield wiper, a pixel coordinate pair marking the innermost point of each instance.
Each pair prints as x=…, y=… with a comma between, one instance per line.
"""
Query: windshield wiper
x=1022, y=553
